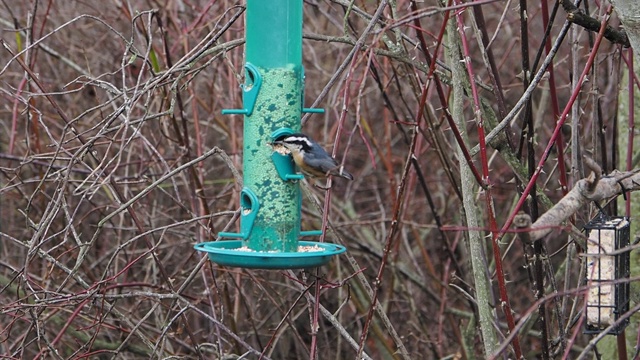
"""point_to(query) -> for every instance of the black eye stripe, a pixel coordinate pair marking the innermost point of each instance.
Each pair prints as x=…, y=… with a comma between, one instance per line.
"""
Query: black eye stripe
x=298, y=140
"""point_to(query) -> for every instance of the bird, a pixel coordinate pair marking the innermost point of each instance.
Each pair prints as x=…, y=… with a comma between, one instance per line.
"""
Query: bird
x=310, y=157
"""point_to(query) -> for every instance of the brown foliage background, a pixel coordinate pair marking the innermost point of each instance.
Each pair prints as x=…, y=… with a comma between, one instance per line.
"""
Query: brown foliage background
x=114, y=102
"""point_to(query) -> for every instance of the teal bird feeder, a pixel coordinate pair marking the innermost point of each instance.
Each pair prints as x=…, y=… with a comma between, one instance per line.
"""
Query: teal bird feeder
x=272, y=97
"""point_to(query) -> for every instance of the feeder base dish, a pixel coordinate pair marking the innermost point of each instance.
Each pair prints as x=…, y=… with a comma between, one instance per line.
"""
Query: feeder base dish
x=233, y=253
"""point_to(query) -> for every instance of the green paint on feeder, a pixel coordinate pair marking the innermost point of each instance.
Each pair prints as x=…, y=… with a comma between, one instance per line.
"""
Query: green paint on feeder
x=274, y=33
x=272, y=107
x=277, y=224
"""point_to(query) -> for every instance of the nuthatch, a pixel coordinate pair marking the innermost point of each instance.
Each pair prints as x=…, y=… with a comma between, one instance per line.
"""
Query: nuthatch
x=310, y=157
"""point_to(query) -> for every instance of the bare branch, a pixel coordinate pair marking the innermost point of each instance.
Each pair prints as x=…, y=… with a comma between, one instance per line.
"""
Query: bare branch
x=585, y=191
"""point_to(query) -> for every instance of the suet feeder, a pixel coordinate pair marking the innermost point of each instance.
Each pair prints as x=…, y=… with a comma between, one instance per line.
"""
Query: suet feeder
x=606, y=269
x=272, y=95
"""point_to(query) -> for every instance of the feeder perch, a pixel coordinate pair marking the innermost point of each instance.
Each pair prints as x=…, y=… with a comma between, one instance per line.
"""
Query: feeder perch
x=272, y=106
x=285, y=168
x=309, y=110
x=607, y=299
x=250, y=91
x=283, y=162
x=249, y=206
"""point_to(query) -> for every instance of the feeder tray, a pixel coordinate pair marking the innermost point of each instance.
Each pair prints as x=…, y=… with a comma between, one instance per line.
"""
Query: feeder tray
x=228, y=253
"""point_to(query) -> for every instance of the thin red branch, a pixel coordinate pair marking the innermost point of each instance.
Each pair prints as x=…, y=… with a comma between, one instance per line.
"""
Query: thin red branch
x=441, y=95
x=556, y=132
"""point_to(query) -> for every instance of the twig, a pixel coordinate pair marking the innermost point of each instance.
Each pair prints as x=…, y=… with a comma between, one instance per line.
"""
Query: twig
x=164, y=177
x=578, y=17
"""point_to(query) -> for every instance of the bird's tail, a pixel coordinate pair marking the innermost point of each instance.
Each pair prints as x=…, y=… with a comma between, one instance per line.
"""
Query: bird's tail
x=342, y=173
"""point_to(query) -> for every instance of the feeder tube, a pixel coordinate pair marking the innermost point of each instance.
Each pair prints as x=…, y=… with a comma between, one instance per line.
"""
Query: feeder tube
x=274, y=48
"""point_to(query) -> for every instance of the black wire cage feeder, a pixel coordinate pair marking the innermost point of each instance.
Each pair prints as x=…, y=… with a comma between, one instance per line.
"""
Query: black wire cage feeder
x=606, y=268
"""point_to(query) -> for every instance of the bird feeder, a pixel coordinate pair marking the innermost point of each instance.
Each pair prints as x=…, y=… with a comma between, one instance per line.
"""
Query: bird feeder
x=272, y=95
x=606, y=269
